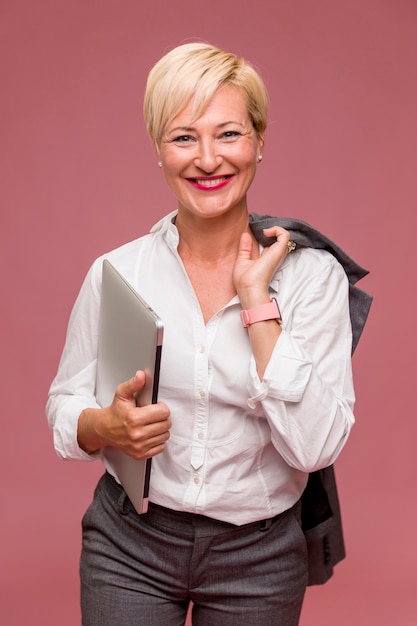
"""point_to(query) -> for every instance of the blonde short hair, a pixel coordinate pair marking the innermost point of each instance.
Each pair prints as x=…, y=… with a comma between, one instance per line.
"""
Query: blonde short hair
x=198, y=70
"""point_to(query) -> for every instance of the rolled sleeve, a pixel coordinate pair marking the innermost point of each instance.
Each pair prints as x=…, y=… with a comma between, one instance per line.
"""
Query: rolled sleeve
x=67, y=399
x=307, y=391
x=65, y=434
x=286, y=375
x=73, y=387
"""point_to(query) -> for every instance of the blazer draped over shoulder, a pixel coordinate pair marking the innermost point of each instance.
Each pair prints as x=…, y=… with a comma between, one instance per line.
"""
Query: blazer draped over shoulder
x=320, y=509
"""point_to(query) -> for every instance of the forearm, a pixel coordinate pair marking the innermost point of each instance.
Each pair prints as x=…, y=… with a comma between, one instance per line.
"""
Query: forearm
x=88, y=437
x=263, y=337
x=263, y=332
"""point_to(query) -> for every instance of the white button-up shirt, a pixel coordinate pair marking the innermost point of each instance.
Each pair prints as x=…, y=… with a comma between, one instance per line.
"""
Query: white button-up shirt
x=240, y=449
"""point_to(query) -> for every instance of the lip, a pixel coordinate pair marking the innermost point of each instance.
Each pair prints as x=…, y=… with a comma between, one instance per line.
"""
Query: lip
x=210, y=183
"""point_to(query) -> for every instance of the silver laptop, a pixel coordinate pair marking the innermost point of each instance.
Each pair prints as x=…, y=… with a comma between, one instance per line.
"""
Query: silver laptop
x=130, y=339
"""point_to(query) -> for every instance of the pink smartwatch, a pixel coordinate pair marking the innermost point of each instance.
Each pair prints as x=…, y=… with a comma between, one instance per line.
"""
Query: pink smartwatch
x=269, y=311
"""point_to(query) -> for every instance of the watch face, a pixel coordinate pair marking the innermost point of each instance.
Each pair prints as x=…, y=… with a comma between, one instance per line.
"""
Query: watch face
x=279, y=318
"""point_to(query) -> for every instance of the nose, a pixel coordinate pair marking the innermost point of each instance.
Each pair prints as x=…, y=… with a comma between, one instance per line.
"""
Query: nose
x=208, y=158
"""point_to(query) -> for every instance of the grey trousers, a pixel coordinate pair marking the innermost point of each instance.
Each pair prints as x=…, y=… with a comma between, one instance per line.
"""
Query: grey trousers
x=144, y=570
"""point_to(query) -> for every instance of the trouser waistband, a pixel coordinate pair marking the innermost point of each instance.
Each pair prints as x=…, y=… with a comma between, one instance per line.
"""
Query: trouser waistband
x=181, y=520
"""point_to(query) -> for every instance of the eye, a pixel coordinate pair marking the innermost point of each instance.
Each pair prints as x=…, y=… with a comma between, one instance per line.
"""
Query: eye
x=183, y=139
x=230, y=134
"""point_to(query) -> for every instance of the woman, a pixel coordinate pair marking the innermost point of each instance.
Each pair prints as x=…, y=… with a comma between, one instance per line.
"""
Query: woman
x=250, y=403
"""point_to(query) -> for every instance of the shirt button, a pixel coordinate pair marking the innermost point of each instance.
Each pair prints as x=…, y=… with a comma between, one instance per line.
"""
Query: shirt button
x=202, y=349
x=202, y=393
x=200, y=435
x=196, y=480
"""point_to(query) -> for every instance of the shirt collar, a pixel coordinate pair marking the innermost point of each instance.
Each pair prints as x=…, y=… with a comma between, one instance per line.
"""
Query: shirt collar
x=166, y=228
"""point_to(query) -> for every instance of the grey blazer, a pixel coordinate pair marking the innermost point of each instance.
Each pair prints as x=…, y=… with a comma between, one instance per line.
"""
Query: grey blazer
x=320, y=510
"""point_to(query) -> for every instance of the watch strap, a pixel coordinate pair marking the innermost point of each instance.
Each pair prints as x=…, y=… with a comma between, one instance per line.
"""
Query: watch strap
x=268, y=311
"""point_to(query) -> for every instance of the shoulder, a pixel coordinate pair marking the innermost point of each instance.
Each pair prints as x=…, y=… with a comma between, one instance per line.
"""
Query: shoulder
x=127, y=251
x=313, y=263
x=127, y=257
x=123, y=257
x=310, y=273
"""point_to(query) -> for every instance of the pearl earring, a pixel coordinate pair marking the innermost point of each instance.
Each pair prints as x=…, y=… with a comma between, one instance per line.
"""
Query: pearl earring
x=159, y=163
x=259, y=158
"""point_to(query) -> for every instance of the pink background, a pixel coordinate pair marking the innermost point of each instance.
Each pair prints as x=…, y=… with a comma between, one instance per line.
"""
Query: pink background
x=79, y=177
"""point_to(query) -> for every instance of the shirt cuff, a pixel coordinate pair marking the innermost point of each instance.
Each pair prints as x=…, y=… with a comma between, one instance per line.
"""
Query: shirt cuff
x=65, y=433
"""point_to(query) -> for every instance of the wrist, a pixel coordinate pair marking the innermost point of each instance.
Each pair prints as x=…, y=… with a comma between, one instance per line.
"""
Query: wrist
x=89, y=440
x=260, y=313
x=250, y=298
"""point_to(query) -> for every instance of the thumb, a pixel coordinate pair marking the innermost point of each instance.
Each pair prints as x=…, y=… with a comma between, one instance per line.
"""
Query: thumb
x=127, y=390
x=245, y=246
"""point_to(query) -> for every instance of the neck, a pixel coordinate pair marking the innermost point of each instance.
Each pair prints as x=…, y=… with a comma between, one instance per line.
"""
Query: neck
x=210, y=240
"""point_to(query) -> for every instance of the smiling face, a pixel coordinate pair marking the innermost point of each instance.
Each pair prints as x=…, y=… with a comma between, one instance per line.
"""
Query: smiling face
x=210, y=162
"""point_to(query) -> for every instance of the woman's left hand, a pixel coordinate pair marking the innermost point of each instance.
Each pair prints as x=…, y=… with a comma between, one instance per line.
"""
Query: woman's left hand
x=253, y=272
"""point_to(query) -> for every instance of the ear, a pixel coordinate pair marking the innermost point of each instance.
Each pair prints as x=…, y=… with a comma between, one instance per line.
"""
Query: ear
x=261, y=143
x=157, y=153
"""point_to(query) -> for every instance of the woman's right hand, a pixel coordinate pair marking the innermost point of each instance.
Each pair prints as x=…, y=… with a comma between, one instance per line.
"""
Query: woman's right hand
x=140, y=432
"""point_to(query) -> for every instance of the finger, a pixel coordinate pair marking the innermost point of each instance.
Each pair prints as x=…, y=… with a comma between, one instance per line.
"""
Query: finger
x=149, y=439
x=157, y=414
x=127, y=389
x=145, y=422
x=157, y=445
x=281, y=234
x=157, y=440
x=283, y=241
x=146, y=452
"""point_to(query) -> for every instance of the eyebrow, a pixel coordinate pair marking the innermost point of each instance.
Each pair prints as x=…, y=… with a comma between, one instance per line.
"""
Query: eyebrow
x=192, y=128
